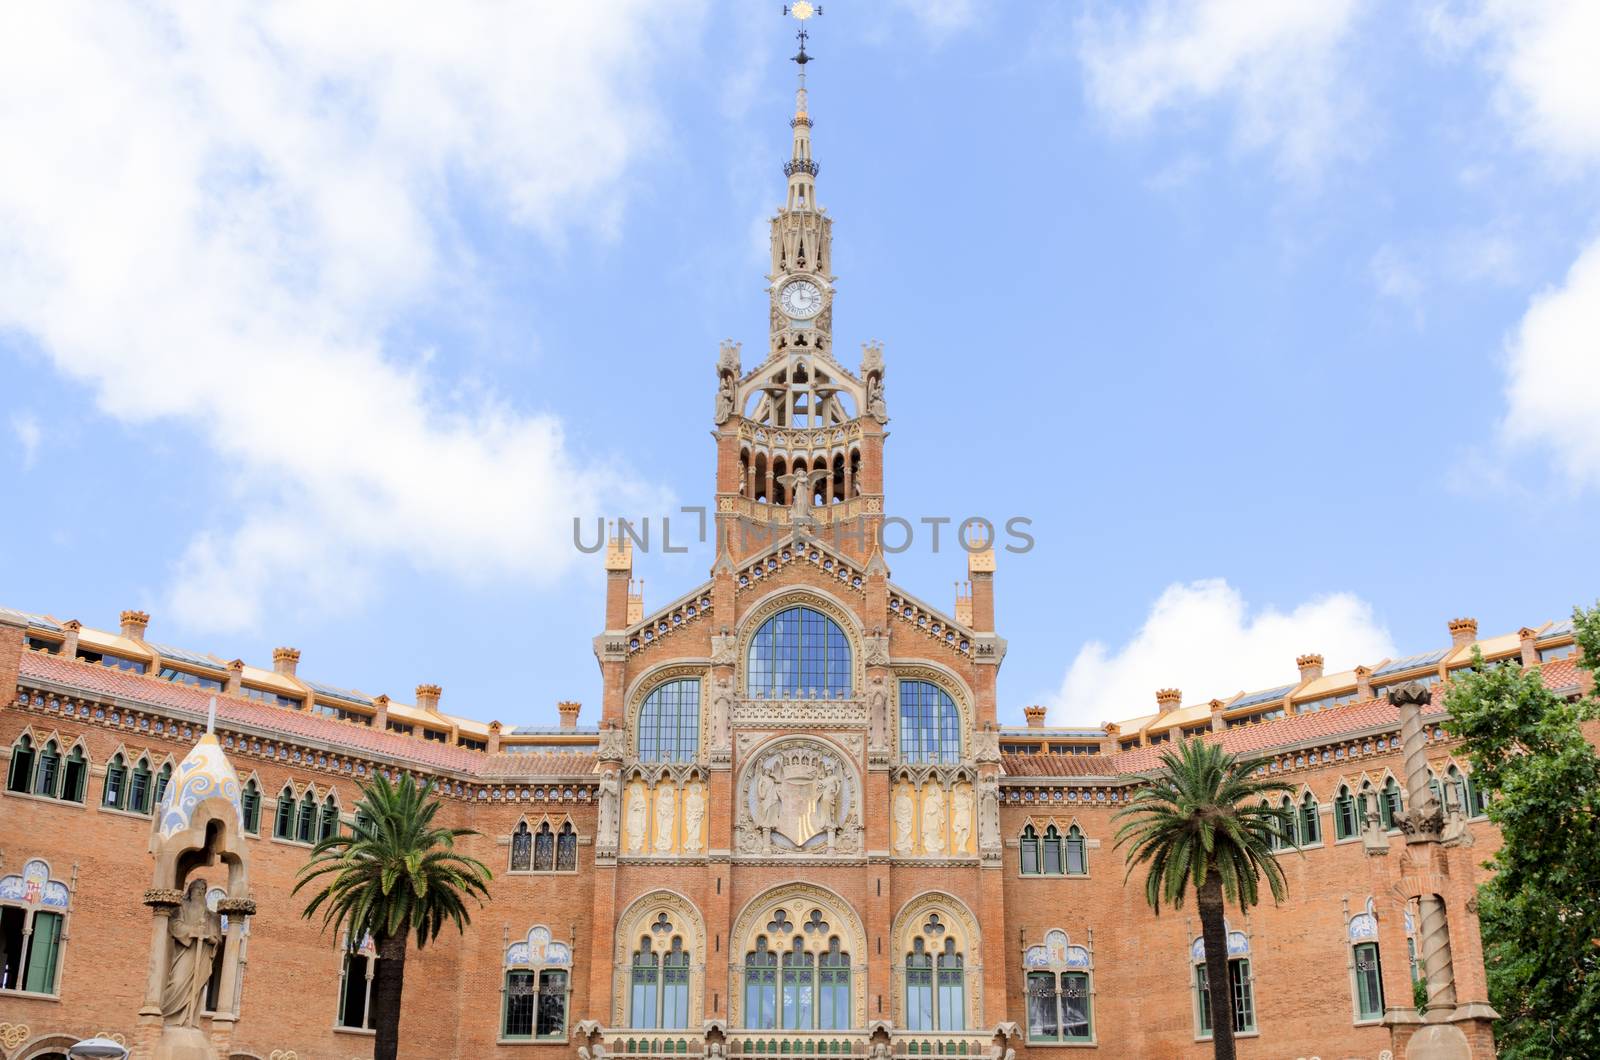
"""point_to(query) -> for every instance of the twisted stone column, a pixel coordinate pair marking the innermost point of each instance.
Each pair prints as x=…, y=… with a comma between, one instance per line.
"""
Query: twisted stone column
x=1435, y=945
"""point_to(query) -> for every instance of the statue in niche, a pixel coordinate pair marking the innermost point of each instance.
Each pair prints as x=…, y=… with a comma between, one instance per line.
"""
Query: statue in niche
x=904, y=812
x=196, y=932
x=878, y=715
x=989, y=814
x=666, y=814
x=877, y=408
x=610, y=795
x=637, y=815
x=725, y=399
x=721, y=712
x=960, y=820
x=694, y=816
x=933, y=819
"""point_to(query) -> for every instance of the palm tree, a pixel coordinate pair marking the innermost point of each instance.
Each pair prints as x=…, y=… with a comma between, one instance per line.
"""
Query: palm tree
x=1203, y=819
x=395, y=875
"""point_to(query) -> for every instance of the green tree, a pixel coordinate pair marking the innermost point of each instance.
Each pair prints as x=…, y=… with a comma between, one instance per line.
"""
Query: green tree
x=396, y=875
x=1204, y=820
x=1540, y=911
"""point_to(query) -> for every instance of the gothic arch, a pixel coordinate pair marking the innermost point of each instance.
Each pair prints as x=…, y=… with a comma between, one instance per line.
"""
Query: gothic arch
x=636, y=921
x=798, y=900
x=960, y=924
x=947, y=681
x=786, y=596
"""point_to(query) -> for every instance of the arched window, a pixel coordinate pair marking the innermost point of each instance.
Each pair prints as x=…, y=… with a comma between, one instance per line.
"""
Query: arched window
x=537, y=987
x=799, y=653
x=162, y=778
x=75, y=776
x=761, y=987
x=1346, y=825
x=833, y=989
x=567, y=848
x=48, y=772
x=32, y=911
x=139, y=787
x=1477, y=800
x=804, y=987
x=20, y=779
x=522, y=848
x=1052, y=852
x=283, y=824
x=935, y=981
x=1391, y=806
x=930, y=724
x=115, y=792
x=1290, y=822
x=1077, y=855
x=1310, y=821
x=1030, y=851
x=669, y=722
x=660, y=982
x=305, y=824
x=358, y=970
x=1239, y=980
x=544, y=849
x=1369, y=981
x=328, y=825
x=1436, y=789
x=1058, y=990
x=250, y=804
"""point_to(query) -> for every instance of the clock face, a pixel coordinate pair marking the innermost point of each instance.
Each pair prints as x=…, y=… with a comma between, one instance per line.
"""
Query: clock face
x=800, y=298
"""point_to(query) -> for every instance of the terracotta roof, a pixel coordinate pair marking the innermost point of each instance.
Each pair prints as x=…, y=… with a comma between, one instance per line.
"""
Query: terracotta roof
x=1056, y=765
x=1561, y=673
x=104, y=680
x=544, y=764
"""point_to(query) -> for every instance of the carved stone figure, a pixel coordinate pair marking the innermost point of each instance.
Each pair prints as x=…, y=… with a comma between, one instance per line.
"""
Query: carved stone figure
x=904, y=812
x=725, y=399
x=828, y=789
x=960, y=820
x=766, y=800
x=933, y=819
x=694, y=816
x=989, y=814
x=610, y=796
x=666, y=815
x=721, y=712
x=877, y=408
x=195, y=932
x=724, y=650
x=878, y=715
x=877, y=650
x=637, y=816
x=613, y=745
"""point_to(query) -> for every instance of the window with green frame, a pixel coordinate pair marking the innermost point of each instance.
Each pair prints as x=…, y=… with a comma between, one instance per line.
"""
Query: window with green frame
x=1390, y=804
x=1059, y=1007
x=1346, y=821
x=283, y=822
x=114, y=793
x=1369, y=981
x=1244, y=1000
x=250, y=806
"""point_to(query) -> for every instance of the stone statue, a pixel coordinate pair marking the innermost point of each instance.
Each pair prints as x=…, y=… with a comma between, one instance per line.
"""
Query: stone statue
x=195, y=932
x=878, y=715
x=881, y=1051
x=960, y=820
x=721, y=713
x=610, y=795
x=637, y=813
x=767, y=804
x=828, y=788
x=933, y=819
x=666, y=815
x=724, y=398
x=989, y=814
x=694, y=816
x=876, y=407
x=904, y=811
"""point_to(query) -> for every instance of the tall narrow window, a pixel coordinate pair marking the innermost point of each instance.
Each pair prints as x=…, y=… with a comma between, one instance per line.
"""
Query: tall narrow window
x=1290, y=822
x=43, y=952
x=49, y=770
x=20, y=779
x=1052, y=852
x=1390, y=806
x=567, y=849
x=799, y=653
x=1345, y=823
x=952, y=1014
x=355, y=991
x=139, y=787
x=283, y=824
x=305, y=825
x=1310, y=821
x=522, y=989
x=115, y=792
x=761, y=987
x=1369, y=982
x=833, y=989
x=328, y=823
x=1077, y=859
x=551, y=1018
x=1244, y=1007
x=675, y=987
x=919, y=988
x=250, y=804
x=522, y=849
x=644, y=987
x=1477, y=801
x=544, y=849
x=799, y=988
x=930, y=724
x=669, y=722
x=75, y=776
x=1030, y=851
x=162, y=779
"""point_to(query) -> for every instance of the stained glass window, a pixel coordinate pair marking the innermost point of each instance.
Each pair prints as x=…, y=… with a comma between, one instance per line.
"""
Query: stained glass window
x=799, y=653
x=522, y=848
x=567, y=849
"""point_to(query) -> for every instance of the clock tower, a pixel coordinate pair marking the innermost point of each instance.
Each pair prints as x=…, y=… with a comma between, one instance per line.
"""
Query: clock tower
x=799, y=436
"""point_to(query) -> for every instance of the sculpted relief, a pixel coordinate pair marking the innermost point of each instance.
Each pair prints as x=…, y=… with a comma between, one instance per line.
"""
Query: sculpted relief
x=937, y=818
x=798, y=796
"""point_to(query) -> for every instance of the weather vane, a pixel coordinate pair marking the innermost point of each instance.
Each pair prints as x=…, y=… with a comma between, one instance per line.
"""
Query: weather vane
x=802, y=10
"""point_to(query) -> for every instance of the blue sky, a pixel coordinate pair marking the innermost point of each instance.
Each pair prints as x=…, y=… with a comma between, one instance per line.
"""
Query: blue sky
x=1278, y=320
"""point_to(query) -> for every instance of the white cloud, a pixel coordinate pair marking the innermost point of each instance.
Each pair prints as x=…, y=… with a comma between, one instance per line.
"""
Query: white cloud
x=939, y=17
x=223, y=209
x=1275, y=61
x=1542, y=52
x=1201, y=638
x=29, y=435
x=1553, y=372
x=1394, y=276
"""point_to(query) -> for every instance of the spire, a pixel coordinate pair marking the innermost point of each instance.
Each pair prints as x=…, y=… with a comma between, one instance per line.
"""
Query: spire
x=801, y=169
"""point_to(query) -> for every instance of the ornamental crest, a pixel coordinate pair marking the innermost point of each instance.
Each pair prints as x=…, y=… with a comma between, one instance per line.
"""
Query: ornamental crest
x=797, y=796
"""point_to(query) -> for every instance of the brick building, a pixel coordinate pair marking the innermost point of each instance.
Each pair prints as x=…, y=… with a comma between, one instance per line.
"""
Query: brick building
x=796, y=825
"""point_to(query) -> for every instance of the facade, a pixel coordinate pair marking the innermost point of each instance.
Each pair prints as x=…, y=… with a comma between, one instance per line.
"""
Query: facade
x=797, y=825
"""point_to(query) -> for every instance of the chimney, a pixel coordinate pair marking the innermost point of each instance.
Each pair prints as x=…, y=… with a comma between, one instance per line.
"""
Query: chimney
x=1035, y=715
x=428, y=698
x=1310, y=667
x=380, y=720
x=1363, y=682
x=494, y=738
x=284, y=661
x=1530, y=653
x=1109, y=745
x=1463, y=631
x=235, y=677
x=1217, y=707
x=964, y=603
x=568, y=709
x=619, y=582
x=980, y=572
x=635, y=601
x=1168, y=699
x=69, y=645
x=134, y=624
